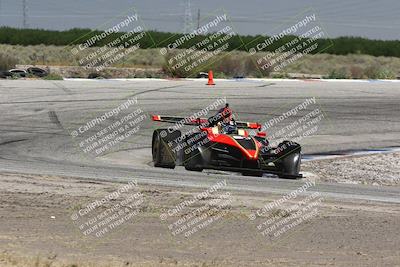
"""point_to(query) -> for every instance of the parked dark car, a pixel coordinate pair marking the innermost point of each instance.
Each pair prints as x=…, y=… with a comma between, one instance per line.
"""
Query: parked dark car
x=37, y=72
x=5, y=74
x=18, y=72
x=94, y=75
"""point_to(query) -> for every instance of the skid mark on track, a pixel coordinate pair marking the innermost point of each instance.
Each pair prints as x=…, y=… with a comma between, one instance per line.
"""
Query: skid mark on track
x=88, y=100
x=265, y=85
x=154, y=90
x=54, y=118
x=62, y=87
x=13, y=141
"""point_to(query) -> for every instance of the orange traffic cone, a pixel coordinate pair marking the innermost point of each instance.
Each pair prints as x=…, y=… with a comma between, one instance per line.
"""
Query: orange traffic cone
x=210, y=78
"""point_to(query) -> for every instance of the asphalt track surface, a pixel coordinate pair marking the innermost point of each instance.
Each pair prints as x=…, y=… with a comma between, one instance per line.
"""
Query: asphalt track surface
x=37, y=118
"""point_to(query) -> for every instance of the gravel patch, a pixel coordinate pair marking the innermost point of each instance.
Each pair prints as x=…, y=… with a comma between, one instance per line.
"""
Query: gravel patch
x=376, y=169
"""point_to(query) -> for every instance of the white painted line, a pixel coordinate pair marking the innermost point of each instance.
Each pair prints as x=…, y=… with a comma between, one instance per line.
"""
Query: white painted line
x=204, y=80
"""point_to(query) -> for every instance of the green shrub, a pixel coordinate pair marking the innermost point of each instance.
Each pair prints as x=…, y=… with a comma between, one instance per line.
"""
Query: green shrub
x=280, y=75
x=173, y=72
x=53, y=76
x=341, y=73
x=221, y=75
x=378, y=72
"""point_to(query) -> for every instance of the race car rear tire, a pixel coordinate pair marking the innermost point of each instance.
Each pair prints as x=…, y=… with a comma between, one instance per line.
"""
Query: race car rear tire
x=163, y=156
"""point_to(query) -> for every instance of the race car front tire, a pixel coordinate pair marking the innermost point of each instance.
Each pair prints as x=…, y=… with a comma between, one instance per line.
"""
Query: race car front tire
x=290, y=165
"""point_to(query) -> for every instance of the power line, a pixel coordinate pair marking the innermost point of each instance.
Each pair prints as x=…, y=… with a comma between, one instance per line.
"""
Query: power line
x=24, y=14
x=198, y=18
x=187, y=18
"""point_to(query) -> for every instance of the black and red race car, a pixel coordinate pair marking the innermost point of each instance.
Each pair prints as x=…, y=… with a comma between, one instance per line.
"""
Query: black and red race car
x=208, y=146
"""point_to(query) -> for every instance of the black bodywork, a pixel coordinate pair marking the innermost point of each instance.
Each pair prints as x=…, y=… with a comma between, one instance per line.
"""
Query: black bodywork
x=197, y=152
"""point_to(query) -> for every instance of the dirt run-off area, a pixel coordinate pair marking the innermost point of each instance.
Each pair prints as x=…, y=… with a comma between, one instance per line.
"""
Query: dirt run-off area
x=49, y=221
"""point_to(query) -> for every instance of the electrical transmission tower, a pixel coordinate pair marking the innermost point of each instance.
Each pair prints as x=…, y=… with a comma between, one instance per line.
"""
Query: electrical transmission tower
x=25, y=14
x=187, y=18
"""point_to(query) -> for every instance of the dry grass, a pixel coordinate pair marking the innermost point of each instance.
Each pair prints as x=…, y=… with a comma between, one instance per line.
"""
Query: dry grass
x=236, y=63
x=62, y=56
x=7, y=62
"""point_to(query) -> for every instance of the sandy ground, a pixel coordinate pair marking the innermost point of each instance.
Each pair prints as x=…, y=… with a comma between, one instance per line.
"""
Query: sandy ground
x=37, y=228
x=377, y=169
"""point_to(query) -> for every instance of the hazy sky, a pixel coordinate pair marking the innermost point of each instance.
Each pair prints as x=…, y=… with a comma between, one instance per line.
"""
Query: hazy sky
x=366, y=18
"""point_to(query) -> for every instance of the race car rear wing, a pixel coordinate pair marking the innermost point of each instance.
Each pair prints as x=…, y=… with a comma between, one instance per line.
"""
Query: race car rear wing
x=201, y=121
